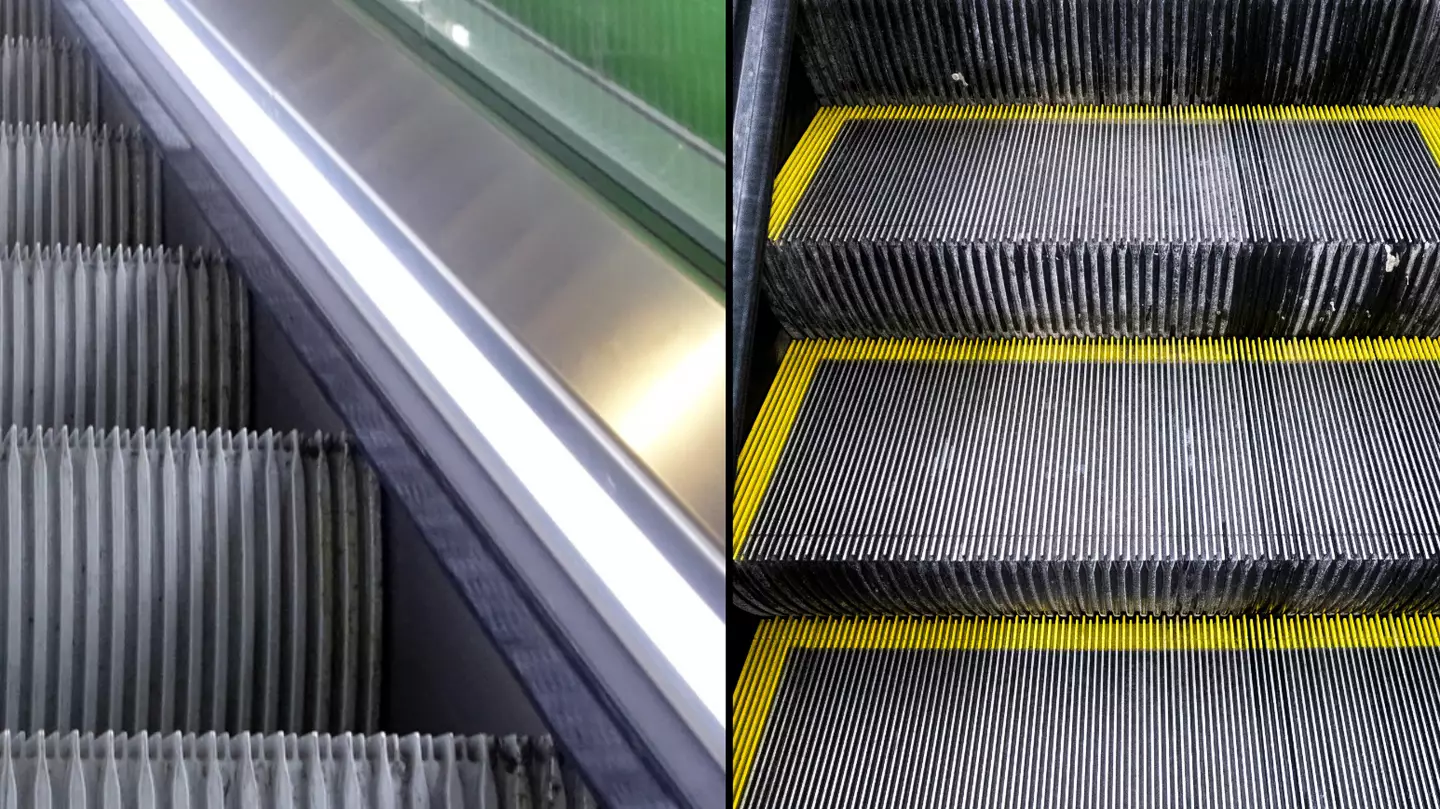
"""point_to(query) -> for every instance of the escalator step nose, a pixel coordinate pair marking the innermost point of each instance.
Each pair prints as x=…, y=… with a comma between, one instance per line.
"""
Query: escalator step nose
x=161, y=581
x=285, y=771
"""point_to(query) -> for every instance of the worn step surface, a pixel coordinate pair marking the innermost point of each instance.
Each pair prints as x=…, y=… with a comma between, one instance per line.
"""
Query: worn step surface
x=1010, y=221
x=1068, y=712
x=1122, y=52
x=1083, y=477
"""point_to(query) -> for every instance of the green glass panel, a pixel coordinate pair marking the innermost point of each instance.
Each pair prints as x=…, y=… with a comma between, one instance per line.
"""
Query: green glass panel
x=635, y=87
x=669, y=53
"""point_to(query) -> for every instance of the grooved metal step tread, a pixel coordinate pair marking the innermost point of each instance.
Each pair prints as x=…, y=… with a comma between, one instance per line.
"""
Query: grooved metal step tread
x=1068, y=712
x=252, y=771
x=122, y=337
x=47, y=81
x=74, y=185
x=1122, y=52
x=1020, y=221
x=200, y=581
x=1083, y=477
x=26, y=18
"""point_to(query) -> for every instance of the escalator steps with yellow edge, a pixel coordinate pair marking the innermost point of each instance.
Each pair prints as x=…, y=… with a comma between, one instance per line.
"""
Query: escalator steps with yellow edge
x=1122, y=51
x=1094, y=477
x=1070, y=712
x=1032, y=221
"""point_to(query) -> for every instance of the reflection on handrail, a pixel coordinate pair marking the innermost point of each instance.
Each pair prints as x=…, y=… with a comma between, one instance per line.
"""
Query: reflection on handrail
x=649, y=421
x=642, y=118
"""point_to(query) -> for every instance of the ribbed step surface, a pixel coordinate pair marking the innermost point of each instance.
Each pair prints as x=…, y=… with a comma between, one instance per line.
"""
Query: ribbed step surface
x=47, y=82
x=1083, y=477
x=64, y=184
x=248, y=771
x=163, y=581
x=1122, y=52
x=26, y=18
x=1244, y=712
x=126, y=338
x=953, y=221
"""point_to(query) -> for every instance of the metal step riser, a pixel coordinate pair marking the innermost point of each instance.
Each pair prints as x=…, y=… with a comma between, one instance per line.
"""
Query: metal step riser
x=122, y=338
x=165, y=581
x=71, y=185
x=26, y=18
x=47, y=82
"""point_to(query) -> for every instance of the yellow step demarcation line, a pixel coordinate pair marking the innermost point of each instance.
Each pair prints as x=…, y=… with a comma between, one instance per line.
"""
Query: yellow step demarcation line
x=760, y=677
x=761, y=453
x=795, y=176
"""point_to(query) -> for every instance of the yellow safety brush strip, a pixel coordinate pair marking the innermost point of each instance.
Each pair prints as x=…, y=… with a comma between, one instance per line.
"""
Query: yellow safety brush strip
x=761, y=453
x=805, y=161
x=760, y=679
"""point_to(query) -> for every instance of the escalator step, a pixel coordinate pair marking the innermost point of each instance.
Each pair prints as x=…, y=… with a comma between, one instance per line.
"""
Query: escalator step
x=122, y=338
x=1123, y=52
x=1005, y=221
x=26, y=18
x=63, y=184
x=1228, y=712
x=1094, y=477
x=206, y=581
x=251, y=771
x=47, y=81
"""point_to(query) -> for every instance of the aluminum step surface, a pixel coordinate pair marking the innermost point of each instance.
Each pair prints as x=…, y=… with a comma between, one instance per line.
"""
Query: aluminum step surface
x=48, y=82
x=26, y=18
x=200, y=581
x=72, y=185
x=128, y=338
x=1218, y=712
x=1094, y=477
x=1122, y=52
x=1011, y=221
x=285, y=771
